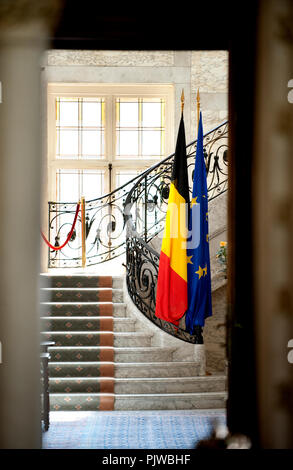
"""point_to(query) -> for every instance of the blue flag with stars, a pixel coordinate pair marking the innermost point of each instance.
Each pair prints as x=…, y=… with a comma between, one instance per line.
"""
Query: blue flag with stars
x=198, y=253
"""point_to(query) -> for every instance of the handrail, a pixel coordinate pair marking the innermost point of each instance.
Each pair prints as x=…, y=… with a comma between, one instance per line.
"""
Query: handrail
x=139, y=206
x=105, y=216
x=142, y=261
x=153, y=167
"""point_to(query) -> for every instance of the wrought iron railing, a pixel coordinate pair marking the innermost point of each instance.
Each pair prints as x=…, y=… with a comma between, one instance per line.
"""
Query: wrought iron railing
x=142, y=200
x=149, y=195
x=139, y=208
x=104, y=227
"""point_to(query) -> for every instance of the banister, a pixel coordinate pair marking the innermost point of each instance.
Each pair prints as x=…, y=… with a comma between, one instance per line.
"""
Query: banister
x=105, y=228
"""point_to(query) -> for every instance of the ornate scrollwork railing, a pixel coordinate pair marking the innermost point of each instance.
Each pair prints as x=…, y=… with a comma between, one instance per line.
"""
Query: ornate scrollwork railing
x=105, y=236
x=144, y=212
x=146, y=195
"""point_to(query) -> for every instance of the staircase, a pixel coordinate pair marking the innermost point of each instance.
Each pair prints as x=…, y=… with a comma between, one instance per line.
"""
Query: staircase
x=101, y=362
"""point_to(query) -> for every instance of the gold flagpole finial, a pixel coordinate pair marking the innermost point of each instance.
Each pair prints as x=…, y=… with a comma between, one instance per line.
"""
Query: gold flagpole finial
x=182, y=101
x=198, y=106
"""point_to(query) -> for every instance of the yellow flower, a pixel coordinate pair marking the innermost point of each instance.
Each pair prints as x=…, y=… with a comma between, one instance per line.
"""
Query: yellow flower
x=223, y=243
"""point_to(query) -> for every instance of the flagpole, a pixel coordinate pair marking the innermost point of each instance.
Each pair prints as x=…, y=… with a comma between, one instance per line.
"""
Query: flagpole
x=198, y=106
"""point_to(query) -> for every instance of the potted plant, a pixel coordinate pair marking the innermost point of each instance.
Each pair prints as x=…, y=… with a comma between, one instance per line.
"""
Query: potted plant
x=221, y=256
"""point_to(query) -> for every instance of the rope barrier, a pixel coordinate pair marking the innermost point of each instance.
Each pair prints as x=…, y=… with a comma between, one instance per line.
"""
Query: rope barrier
x=56, y=248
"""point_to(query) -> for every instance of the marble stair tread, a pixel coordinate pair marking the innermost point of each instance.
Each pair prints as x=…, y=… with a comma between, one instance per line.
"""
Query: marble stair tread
x=124, y=369
x=164, y=395
x=157, y=369
x=85, y=338
x=95, y=353
x=132, y=338
x=117, y=350
x=124, y=386
x=143, y=354
x=170, y=401
x=170, y=385
x=124, y=325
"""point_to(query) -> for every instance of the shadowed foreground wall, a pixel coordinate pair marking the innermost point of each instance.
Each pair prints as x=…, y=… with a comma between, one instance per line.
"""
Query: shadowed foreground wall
x=23, y=37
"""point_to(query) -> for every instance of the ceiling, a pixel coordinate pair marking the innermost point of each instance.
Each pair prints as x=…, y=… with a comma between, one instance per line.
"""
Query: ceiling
x=190, y=26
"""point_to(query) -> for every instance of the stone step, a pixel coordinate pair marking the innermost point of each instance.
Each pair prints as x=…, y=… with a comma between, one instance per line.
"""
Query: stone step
x=170, y=385
x=131, y=339
x=106, y=353
x=140, y=385
x=118, y=370
x=86, y=309
x=81, y=401
x=170, y=401
x=157, y=369
x=81, y=295
x=83, y=338
x=141, y=354
x=91, y=324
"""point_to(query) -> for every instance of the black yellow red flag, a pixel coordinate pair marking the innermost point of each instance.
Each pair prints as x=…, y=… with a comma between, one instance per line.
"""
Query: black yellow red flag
x=172, y=297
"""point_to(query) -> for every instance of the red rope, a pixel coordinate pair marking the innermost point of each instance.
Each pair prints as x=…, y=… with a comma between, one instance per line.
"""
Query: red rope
x=56, y=248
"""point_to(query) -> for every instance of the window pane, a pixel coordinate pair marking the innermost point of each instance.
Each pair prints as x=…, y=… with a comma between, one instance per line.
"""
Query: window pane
x=128, y=115
x=67, y=143
x=91, y=143
x=68, y=113
x=91, y=114
x=127, y=143
x=151, y=114
x=123, y=176
x=92, y=184
x=72, y=184
x=67, y=186
x=151, y=143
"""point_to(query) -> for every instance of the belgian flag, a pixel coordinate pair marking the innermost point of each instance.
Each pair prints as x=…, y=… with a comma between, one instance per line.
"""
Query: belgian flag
x=172, y=296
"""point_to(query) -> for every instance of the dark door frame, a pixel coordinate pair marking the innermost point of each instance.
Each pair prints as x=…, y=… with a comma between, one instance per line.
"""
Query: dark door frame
x=213, y=26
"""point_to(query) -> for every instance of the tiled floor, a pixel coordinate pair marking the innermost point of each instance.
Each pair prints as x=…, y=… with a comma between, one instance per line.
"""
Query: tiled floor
x=180, y=429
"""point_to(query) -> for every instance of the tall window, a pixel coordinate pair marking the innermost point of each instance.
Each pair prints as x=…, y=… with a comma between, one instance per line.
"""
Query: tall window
x=101, y=136
x=140, y=127
x=80, y=128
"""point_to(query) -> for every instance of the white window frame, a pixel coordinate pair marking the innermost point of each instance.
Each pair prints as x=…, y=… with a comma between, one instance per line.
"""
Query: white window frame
x=109, y=92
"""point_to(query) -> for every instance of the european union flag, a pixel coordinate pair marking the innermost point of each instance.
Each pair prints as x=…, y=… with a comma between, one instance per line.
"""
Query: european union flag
x=198, y=253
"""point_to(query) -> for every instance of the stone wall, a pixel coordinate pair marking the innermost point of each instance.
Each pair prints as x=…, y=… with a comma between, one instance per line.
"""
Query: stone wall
x=190, y=70
x=214, y=333
x=209, y=74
